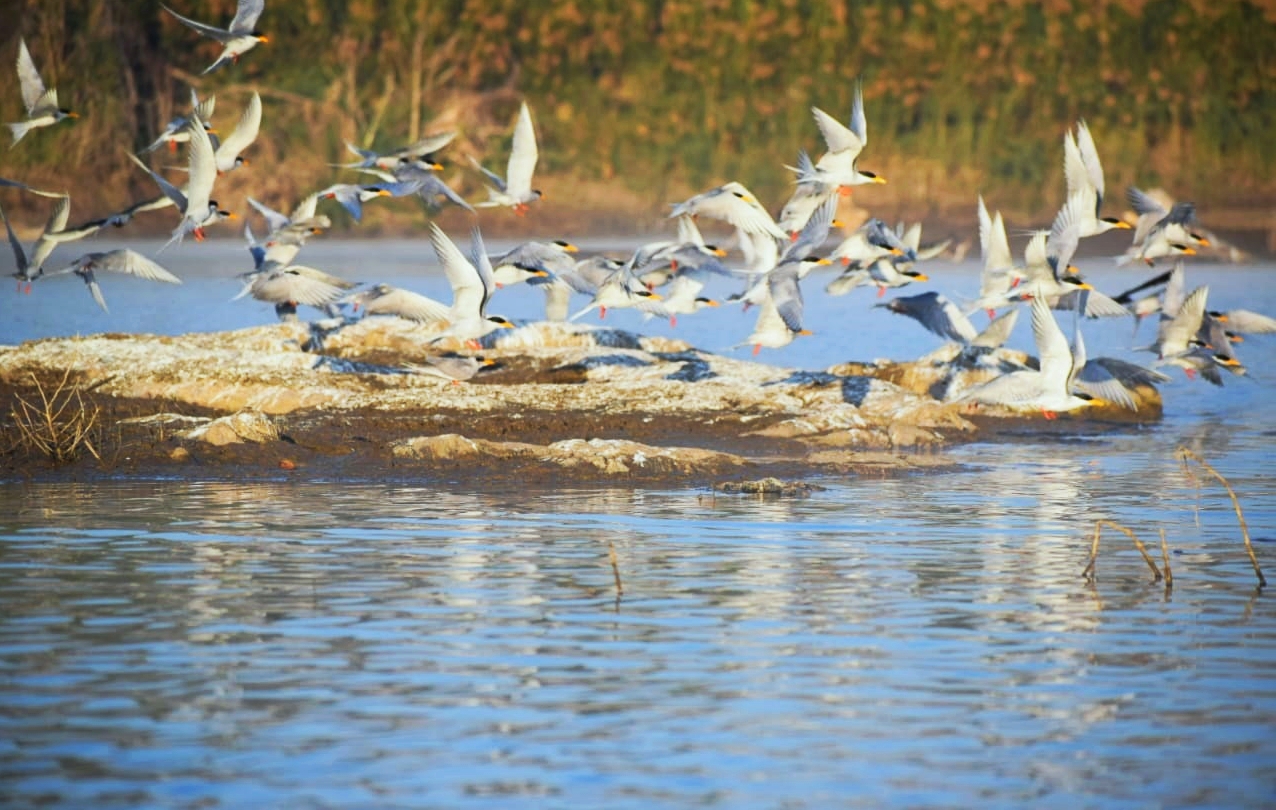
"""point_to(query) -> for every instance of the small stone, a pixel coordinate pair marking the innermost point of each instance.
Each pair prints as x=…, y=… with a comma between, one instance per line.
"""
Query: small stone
x=180, y=454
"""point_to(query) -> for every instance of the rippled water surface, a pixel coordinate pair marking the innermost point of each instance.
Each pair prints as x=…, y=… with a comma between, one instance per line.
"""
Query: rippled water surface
x=926, y=641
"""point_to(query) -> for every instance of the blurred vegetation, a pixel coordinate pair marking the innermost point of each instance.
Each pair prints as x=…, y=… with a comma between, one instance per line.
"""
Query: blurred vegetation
x=642, y=102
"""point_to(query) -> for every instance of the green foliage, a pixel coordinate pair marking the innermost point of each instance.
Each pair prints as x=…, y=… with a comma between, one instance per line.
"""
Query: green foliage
x=669, y=96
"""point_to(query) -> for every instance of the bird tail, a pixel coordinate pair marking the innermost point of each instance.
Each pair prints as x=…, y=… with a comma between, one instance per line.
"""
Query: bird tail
x=19, y=130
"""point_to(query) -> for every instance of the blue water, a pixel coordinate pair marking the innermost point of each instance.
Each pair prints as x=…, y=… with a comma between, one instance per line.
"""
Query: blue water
x=916, y=642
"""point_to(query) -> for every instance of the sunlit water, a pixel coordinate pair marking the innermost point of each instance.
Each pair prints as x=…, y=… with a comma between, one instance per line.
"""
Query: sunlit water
x=925, y=641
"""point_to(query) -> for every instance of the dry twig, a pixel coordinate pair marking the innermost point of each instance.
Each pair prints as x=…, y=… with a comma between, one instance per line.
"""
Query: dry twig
x=1184, y=455
x=58, y=426
x=1088, y=573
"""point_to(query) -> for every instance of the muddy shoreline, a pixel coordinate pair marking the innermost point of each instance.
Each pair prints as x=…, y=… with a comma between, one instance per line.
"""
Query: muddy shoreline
x=563, y=405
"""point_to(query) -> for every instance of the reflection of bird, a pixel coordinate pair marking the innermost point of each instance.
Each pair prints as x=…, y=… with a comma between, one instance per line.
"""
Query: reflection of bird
x=115, y=261
x=515, y=189
x=238, y=38
x=41, y=104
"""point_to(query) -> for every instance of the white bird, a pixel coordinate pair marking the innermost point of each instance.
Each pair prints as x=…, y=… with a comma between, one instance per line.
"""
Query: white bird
x=734, y=204
x=227, y=152
x=515, y=189
x=999, y=275
x=1160, y=233
x=472, y=287
x=1084, y=175
x=41, y=104
x=288, y=233
x=837, y=167
x=288, y=286
x=352, y=196
x=454, y=368
x=195, y=203
x=238, y=38
x=780, y=311
x=115, y=261
x=1049, y=388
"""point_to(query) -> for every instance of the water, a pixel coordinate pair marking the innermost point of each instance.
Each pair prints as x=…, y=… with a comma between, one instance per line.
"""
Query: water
x=924, y=641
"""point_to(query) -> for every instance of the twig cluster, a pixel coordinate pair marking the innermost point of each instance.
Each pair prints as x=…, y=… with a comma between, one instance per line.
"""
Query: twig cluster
x=59, y=424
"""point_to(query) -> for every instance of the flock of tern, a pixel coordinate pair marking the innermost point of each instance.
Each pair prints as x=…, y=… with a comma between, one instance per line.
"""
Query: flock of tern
x=666, y=278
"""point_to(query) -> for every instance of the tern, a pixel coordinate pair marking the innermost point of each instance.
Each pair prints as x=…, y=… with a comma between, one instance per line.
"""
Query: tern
x=41, y=104
x=237, y=39
x=1049, y=388
x=1084, y=175
x=175, y=132
x=384, y=299
x=515, y=189
x=472, y=287
x=115, y=261
x=195, y=203
x=227, y=152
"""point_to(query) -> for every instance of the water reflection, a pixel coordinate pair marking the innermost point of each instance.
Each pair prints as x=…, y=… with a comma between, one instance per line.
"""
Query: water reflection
x=366, y=645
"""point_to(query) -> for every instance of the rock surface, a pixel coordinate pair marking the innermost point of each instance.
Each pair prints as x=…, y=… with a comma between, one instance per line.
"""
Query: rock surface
x=564, y=400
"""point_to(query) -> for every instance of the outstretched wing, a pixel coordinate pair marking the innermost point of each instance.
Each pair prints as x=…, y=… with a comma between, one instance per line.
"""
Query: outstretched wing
x=523, y=155
x=29, y=78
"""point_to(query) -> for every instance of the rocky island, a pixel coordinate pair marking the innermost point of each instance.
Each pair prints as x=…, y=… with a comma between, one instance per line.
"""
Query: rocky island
x=559, y=403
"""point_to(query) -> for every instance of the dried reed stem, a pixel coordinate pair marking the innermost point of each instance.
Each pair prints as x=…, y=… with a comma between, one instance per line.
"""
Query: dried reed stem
x=1185, y=454
x=57, y=426
x=615, y=566
x=1088, y=573
x=1165, y=560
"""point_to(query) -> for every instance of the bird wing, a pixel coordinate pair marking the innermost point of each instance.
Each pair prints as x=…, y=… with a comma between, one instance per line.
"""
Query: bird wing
x=94, y=289
x=1065, y=233
x=219, y=34
x=998, y=332
x=425, y=146
x=840, y=139
x=814, y=232
x=468, y=293
x=1247, y=322
x=32, y=85
x=523, y=155
x=993, y=242
x=60, y=216
x=787, y=295
x=203, y=109
x=274, y=219
x=293, y=284
x=243, y=135
x=246, y=14
x=305, y=209
x=202, y=160
x=1176, y=333
x=482, y=263
x=1074, y=172
x=1090, y=161
x=1149, y=210
x=19, y=255
x=1175, y=290
x=409, y=305
x=134, y=264
x=1052, y=346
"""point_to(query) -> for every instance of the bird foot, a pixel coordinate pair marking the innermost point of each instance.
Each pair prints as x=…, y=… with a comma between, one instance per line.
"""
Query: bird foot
x=1051, y=415
x=472, y=344
x=757, y=349
x=992, y=314
x=199, y=234
x=673, y=320
x=172, y=147
x=881, y=292
x=602, y=313
x=1190, y=372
